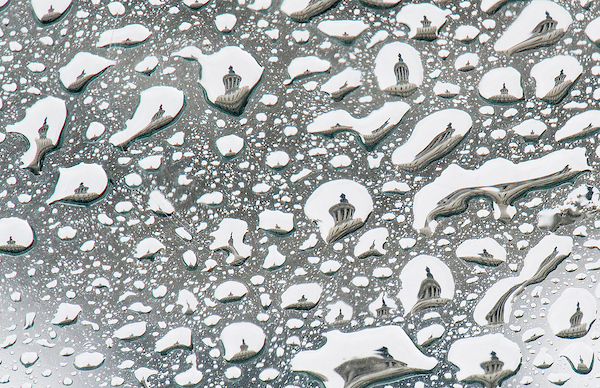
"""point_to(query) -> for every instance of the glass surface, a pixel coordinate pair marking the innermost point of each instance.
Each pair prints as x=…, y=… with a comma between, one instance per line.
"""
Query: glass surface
x=295, y=193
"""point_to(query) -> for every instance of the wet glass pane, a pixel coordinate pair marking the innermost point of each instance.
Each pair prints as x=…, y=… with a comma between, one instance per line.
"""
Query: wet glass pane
x=299, y=193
